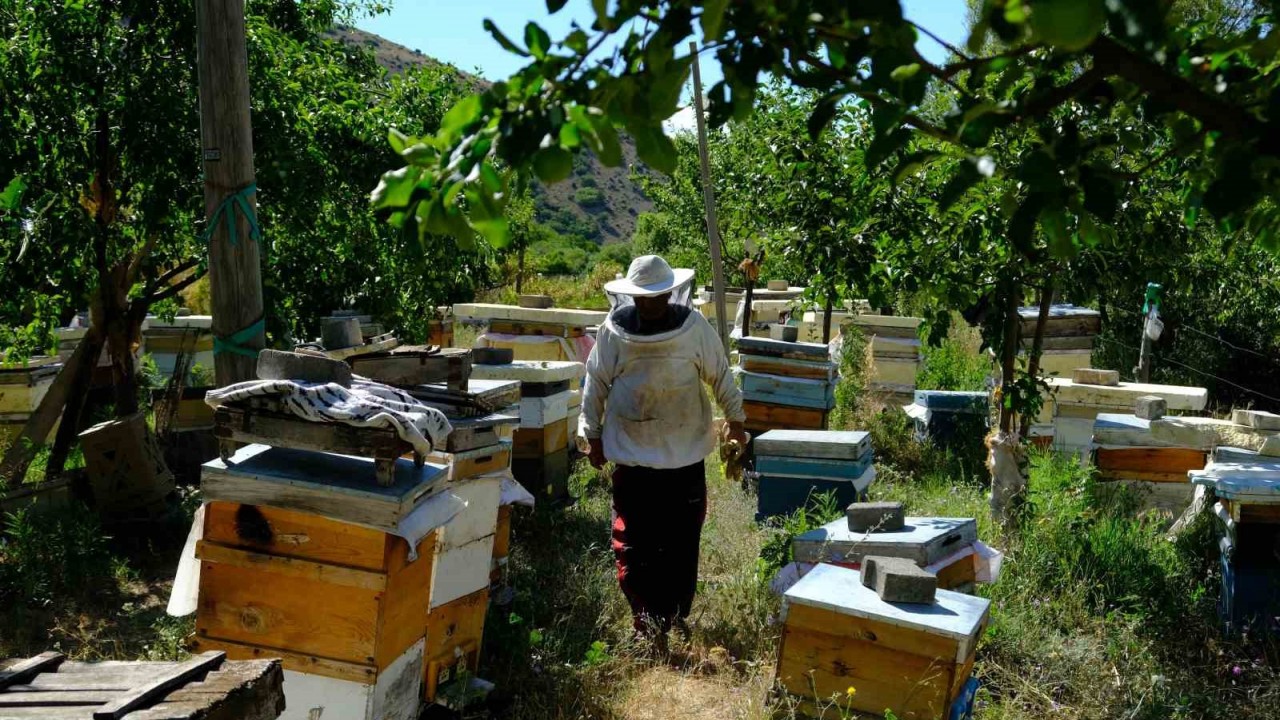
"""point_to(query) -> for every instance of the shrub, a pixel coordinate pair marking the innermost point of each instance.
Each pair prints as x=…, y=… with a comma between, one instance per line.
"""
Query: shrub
x=953, y=365
x=49, y=553
x=589, y=197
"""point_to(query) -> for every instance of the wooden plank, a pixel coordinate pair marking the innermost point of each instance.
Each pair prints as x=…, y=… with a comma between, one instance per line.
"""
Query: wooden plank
x=191, y=669
x=1123, y=395
x=255, y=607
x=833, y=445
x=461, y=571
x=280, y=430
x=568, y=316
x=532, y=443
x=292, y=534
x=823, y=370
x=482, y=496
x=543, y=389
x=924, y=540
x=291, y=567
x=481, y=397
x=403, y=617
x=1152, y=460
x=1155, y=476
x=502, y=535
x=415, y=366
x=960, y=573
x=339, y=487
x=780, y=416
x=819, y=666
x=818, y=469
x=880, y=634
x=780, y=349
x=531, y=371
x=542, y=411
x=798, y=392
x=296, y=661
x=22, y=672
x=516, y=327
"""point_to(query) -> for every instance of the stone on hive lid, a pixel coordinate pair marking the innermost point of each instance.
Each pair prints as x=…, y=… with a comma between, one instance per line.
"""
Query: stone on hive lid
x=534, y=301
x=898, y=580
x=875, y=516
x=1150, y=407
x=338, y=333
x=278, y=365
x=1095, y=376
x=776, y=285
x=1256, y=419
x=1270, y=447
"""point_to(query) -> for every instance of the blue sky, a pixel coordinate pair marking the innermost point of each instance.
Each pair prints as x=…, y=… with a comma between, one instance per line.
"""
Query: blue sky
x=452, y=30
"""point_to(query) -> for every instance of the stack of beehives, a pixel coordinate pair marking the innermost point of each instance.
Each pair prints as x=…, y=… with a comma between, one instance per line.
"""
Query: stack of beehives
x=1074, y=403
x=165, y=340
x=785, y=384
x=1069, y=333
x=777, y=297
x=895, y=352
x=949, y=417
x=550, y=408
x=533, y=333
x=402, y=552
x=22, y=387
x=796, y=465
x=1247, y=489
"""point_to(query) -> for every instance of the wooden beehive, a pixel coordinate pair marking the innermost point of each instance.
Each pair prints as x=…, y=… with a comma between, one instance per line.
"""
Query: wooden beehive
x=547, y=477
x=126, y=468
x=454, y=633
x=501, y=546
x=923, y=540
x=534, y=443
x=477, y=461
x=22, y=389
x=762, y=417
x=789, y=391
x=465, y=553
x=914, y=660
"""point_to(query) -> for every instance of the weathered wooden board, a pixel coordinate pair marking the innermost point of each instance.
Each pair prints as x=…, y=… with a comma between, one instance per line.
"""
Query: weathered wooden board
x=560, y=316
x=816, y=468
x=22, y=390
x=819, y=370
x=794, y=392
x=472, y=432
x=481, y=397
x=924, y=540
x=535, y=371
x=1206, y=433
x=1170, y=497
x=767, y=416
x=514, y=327
x=533, y=443
x=895, y=371
x=334, y=486
x=828, y=444
x=1124, y=394
x=461, y=571
x=80, y=691
x=780, y=349
x=480, y=517
x=1155, y=463
x=292, y=534
x=1063, y=321
x=1250, y=513
x=477, y=461
x=1120, y=429
x=416, y=365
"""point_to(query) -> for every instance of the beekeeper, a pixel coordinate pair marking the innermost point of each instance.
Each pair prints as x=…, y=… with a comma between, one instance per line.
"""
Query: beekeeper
x=644, y=409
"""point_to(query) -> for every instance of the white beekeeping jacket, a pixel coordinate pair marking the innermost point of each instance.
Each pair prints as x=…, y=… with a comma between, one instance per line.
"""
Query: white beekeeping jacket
x=644, y=395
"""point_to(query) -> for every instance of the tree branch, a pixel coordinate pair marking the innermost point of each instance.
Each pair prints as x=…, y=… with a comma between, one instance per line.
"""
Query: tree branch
x=1059, y=95
x=174, y=289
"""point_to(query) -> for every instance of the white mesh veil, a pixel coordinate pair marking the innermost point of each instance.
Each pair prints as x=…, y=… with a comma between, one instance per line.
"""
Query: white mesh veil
x=681, y=295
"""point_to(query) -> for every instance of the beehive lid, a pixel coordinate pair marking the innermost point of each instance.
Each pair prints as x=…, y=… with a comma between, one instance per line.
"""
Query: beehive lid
x=951, y=400
x=1058, y=311
x=840, y=590
x=830, y=444
x=339, y=487
x=1121, y=430
x=924, y=540
x=1249, y=482
x=780, y=348
x=1178, y=397
x=559, y=316
x=531, y=371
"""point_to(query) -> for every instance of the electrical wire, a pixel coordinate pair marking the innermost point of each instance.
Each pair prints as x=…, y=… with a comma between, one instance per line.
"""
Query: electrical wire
x=1171, y=361
x=1184, y=326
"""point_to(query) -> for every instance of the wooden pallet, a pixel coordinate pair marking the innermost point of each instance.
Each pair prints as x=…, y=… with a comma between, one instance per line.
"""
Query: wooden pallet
x=412, y=365
x=515, y=327
x=264, y=421
x=206, y=687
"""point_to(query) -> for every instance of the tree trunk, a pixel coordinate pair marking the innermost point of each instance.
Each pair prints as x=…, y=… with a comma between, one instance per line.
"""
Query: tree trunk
x=1006, y=458
x=520, y=269
x=826, y=320
x=1008, y=356
x=1037, y=344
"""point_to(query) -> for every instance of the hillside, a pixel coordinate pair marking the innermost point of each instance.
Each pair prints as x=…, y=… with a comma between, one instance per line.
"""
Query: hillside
x=597, y=202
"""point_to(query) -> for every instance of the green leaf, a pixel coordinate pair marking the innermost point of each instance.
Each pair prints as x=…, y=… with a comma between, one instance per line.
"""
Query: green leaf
x=502, y=39
x=398, y=140
x=552, y=164
x=966, y=176
x=570, y=136
x=655, y=149
x=12, y=194
x=537, y=40
x=912, y=164
x=602, y=14
x=885, y=145
x=712, y=19
x=553, y=6
x=467, y=111
x=577, y=42
x=822, y=114
x=1054, y=223
x=1015, y=12
x=1068, y=24
x=395, y=188
x=604, y=141
x=903, y=73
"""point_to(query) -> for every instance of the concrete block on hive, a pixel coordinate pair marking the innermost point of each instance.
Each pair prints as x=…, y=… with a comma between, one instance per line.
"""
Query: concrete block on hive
x=898, y=580
x=777, y=285
x=340, y=332
x=1256, y=419
x=785, y=333
x=534, y=301
x=278, y=365
x=875, y=516
x=1150, y=407
x=1096, y=376
x=1270, y=447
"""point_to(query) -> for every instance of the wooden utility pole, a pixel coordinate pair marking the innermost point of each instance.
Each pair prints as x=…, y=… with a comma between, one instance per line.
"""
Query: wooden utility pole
x=226, y=135
x=709, y=199
x=1150, y=306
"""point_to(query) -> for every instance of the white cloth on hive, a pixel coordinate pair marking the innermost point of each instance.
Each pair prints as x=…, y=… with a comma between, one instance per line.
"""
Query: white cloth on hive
x=364, y=404
x=433, y=513
x=513, y=493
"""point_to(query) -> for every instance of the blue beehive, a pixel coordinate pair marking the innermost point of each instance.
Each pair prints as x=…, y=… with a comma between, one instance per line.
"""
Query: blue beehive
x=946, y=416
x=796, y=465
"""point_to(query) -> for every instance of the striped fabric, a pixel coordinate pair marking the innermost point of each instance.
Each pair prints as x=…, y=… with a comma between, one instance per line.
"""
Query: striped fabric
x=364, y=404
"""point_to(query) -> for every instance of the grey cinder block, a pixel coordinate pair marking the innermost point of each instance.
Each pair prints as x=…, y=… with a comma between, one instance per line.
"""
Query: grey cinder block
x=277, y=365
x=899, y=580
x=1150, y=407
x=875, y=516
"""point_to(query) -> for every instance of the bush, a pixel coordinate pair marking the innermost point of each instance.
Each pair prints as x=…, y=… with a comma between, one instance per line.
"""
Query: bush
x=616, y=254
x=953, y=365
x=49, y=553
x=589, y=197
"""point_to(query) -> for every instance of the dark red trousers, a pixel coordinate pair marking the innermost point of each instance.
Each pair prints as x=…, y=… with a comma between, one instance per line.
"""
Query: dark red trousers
x=657, y=525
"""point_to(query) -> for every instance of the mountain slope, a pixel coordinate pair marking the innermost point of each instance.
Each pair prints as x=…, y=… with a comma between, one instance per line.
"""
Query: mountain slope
x=597, y=202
